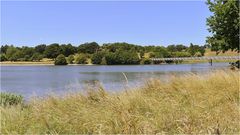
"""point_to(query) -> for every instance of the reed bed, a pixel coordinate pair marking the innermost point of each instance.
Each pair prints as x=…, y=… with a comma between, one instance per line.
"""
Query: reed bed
x=190, y=104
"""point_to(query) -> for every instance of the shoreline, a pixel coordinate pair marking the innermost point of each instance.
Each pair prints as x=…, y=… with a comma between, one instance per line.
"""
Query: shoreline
x=52, y=63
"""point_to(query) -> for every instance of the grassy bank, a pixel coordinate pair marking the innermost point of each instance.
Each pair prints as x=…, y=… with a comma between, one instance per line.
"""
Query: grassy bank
x=189, y=104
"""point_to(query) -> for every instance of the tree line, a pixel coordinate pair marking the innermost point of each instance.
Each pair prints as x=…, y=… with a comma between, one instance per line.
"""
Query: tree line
x=109, y=53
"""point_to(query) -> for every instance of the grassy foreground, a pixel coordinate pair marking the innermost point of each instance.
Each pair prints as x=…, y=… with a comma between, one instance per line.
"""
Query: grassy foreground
x=189, y=104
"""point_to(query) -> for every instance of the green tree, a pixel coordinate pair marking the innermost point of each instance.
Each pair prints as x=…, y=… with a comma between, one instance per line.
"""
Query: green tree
x=196, y=48
x=25, y=50
x=11, y=50
x=97, y=57
x=60, y=60
x=36, y=57
x=122, y=57
x=40, y=48
x=52, y=51
x=88, y=48
x=224, y=25
x=4, y=48
x=161, y=52
x=70, y=59
x=146, y=61
x=81, y=59
x=67, y=50
x=3, y=57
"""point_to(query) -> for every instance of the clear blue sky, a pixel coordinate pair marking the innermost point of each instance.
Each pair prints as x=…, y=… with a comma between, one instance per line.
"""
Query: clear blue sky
x=145, y=23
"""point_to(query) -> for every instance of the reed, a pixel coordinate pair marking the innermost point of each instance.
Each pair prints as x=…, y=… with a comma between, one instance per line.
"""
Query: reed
x=189, y=104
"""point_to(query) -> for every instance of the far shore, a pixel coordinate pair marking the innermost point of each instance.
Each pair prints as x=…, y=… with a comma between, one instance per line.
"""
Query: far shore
x=27, y=63
x=51, y=63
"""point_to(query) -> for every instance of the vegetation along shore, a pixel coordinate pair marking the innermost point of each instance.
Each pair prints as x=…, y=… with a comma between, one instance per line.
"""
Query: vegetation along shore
x=188, y=104
x=107, y=54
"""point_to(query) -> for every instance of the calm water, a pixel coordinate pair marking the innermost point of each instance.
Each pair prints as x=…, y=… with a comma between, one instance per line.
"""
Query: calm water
x=42, y=80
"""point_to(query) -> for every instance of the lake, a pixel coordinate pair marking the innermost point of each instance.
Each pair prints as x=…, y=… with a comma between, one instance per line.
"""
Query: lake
x=41, y=80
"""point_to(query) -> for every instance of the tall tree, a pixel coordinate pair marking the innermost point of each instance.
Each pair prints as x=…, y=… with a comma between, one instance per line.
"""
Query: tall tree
x=40, y=48
x=52, y=51
x=224, y=25
x=88, y=48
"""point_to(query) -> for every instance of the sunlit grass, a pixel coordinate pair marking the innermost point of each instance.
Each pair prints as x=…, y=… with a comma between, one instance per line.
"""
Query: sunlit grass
x=188, y=104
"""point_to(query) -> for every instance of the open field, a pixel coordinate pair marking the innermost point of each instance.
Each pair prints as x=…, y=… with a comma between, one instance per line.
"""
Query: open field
x=227, y=53
x=189, y=104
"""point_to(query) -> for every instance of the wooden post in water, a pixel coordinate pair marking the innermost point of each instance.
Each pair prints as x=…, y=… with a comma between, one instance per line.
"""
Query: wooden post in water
x=210, y=62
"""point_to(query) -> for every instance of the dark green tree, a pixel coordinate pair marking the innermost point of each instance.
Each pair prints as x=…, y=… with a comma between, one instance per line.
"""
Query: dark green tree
x=3, y=57
x=52, y=51
x=88, y=48
x=40, y=48
x=60, y=60
x=122, y=57
x=67, y=50
x=4, y=48
x=97, y=57
x=224, y=25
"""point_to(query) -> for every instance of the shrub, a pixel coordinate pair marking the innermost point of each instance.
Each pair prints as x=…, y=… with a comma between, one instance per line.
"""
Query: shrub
x=146, y=61
x=81, y=59
x=10, y=99
x=70, y=59
x=198, y=54
x=60, y=60
x=3, y=57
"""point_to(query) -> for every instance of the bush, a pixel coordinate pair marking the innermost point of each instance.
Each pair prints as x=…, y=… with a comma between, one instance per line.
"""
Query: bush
x=81, y=59
x=97, y=57
x=60, y=60
x=10, y=99
x=146, y=61
x=3, y=57
x=198, y=54
x=70, y=59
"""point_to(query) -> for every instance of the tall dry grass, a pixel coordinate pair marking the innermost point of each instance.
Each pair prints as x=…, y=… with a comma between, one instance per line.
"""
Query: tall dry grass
x=190, y=104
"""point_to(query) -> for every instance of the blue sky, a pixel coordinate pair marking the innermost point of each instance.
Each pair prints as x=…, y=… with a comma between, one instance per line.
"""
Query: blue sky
x=31, y=23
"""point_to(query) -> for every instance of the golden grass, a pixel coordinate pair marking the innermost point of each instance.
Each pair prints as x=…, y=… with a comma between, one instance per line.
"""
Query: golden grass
x=189, y=104
x=27, y=62
x=227, y=53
